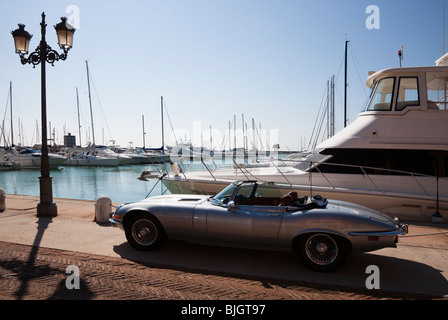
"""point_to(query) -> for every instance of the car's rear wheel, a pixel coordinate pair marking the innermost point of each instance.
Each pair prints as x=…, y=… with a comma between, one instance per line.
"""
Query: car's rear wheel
x=322, y=252
x=144, y=232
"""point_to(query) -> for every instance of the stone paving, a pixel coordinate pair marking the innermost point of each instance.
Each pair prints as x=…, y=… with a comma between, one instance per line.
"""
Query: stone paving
x=38, y=258
x=35, y=273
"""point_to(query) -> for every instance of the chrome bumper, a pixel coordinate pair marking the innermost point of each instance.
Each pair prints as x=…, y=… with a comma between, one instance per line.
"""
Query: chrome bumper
x=115, y=223
x=401, y=230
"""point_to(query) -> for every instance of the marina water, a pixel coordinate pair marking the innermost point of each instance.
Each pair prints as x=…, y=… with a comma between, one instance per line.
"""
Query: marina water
x=120, y=183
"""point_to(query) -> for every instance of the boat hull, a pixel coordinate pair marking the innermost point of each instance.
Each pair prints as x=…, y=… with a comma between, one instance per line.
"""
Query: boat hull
x=92, y=162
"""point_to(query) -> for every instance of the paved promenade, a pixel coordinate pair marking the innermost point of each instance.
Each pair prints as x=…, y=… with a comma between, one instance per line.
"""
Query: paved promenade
x=36, y=252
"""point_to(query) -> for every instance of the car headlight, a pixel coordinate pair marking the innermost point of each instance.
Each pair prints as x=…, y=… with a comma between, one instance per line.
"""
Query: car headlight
x=115, y=215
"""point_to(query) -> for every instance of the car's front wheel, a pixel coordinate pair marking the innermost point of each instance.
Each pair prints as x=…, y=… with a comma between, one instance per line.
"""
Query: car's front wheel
x=144, y=232
x=322, y=252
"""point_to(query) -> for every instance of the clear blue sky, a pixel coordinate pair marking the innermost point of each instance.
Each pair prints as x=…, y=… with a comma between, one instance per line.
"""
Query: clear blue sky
x=210, y=60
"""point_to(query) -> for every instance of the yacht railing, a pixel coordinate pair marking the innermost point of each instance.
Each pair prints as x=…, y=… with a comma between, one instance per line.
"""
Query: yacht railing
x=313, y=169
x=364, y=171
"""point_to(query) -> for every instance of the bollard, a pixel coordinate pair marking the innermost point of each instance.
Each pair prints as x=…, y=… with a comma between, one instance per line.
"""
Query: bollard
x=2, y=200
x=103, y=208
x=175, y=169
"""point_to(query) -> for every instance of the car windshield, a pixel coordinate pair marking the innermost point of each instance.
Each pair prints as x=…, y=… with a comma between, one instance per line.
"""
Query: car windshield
x=245, y=191
x=224, y=196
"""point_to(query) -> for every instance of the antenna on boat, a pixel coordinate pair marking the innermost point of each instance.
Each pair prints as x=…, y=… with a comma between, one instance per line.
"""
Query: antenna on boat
x=400, y=55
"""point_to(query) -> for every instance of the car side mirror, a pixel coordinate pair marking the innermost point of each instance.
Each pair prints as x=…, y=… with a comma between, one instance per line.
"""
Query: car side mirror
x=231, y=206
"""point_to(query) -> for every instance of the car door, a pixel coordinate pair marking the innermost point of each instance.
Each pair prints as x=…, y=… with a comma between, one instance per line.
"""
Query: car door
x=241, y=223
x=236, y=221
x=264, y=221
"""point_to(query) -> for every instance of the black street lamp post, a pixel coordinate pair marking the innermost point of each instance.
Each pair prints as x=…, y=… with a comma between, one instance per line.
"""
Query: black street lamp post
x=42, y=54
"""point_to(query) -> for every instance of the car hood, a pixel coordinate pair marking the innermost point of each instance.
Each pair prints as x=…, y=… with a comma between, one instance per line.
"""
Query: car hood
x=176, y=198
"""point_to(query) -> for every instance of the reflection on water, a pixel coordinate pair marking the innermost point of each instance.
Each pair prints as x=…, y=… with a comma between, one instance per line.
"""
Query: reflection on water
x=86, y=183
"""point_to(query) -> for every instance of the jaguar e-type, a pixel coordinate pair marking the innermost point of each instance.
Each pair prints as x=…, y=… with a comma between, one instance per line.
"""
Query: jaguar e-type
x=250, y=213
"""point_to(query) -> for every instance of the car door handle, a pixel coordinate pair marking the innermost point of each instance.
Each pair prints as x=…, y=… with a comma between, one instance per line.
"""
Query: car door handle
x=274, y=214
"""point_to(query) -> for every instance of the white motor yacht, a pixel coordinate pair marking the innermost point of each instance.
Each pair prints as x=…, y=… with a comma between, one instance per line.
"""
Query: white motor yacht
x=106, y=152
x=88, y=157
x=85, y=160
x=392, y=158
x=28, y=158
x=139, y=156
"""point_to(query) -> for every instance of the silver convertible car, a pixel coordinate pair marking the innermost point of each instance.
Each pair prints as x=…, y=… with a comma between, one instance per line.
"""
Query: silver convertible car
x=250, y=213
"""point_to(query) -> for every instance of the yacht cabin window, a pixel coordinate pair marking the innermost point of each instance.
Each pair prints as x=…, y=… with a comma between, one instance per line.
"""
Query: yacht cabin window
x=437, y=86
x=382, y=96
x=407, y=93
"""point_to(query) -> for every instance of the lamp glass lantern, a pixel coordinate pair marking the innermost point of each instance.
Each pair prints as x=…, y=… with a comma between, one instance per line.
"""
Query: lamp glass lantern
x=21, y=40
x=65, y=33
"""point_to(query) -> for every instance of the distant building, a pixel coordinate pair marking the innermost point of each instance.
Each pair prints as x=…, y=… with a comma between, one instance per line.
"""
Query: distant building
x=69, y=141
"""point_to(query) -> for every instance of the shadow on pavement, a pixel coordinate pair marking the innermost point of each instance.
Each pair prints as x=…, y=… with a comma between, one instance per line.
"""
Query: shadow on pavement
x=398, y=278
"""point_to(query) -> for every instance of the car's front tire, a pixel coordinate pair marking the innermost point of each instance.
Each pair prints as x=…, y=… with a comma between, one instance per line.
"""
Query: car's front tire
x=322, y=252
x=144, y=232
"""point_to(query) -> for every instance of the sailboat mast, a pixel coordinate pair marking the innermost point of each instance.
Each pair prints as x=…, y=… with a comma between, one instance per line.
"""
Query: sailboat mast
x=211, y=140
x=10, y=106
x=163, y=134
x=253, y=135
x=244, y=142
x=345, y=86
x=332, y=106
x=328, y=109
x=90, y=102
x=143, y=125
x=79, y=122
x=230, y=146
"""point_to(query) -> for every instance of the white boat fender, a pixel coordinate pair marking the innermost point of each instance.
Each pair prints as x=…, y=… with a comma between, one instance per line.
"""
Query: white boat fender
x=103, y=208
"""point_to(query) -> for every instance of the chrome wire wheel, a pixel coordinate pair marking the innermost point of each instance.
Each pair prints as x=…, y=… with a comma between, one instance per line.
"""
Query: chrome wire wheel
x=144, y=232
x=321, y=249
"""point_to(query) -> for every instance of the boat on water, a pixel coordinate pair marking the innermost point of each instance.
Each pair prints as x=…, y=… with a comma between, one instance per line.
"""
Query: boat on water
x=9, y=165
x=29, y=158
x=105, y=152
x=139, y=156
x=89, y=160
x=155, y=157
x=83, y=160
x=392, y=158
x=88, y=157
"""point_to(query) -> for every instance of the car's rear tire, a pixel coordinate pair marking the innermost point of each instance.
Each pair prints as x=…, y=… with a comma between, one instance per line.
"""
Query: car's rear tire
x=322, y=252
x=144, y=232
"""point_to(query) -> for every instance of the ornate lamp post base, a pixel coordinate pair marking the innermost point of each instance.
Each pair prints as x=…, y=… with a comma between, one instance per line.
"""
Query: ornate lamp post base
x=47, y=210
x=46, y=207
